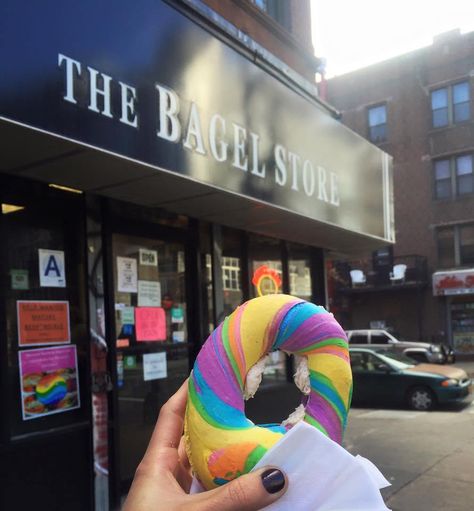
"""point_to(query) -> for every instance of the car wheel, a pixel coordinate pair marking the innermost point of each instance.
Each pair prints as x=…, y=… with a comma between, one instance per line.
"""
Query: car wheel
x=421, y=399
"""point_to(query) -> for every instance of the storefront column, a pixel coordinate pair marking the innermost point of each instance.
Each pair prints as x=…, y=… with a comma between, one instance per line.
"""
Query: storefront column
x=101, y=383
x=318, y=277
x=218, y=286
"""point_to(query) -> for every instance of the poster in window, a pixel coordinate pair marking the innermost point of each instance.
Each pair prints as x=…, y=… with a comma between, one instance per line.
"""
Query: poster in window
x=154, y=366
x=127, y=275
x=149, y=293
x=43, y=322
x=48, y=381
x=148, y=257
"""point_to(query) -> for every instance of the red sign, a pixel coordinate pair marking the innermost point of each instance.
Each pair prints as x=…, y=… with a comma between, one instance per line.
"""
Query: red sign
x=459, y=282
x=43, y=322
x=150, y=324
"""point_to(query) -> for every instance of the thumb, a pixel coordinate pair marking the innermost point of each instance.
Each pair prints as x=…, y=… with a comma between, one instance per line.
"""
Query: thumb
x=249, y=492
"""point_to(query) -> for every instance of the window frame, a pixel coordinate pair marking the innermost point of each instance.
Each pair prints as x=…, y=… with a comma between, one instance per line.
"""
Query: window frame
x=278, y=10
x=451, y=104
x=454, y=177
x=457, y=248
x=371, y=127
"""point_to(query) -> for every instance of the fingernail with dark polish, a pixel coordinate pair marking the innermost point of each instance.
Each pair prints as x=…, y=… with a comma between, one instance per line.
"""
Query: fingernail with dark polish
x=273, y=480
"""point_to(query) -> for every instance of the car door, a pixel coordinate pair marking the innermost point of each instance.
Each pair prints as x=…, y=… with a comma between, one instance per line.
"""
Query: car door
x=374, y=382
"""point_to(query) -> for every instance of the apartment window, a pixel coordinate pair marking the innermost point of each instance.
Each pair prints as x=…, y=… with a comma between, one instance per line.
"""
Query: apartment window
x=455, y=245
x=377, y=117
x=442, y=179
x=461, y=109
x=464, y=176
x=466, y=244
x=450, y=105
x=453, y=177
x=446, y=256
x=279, y=10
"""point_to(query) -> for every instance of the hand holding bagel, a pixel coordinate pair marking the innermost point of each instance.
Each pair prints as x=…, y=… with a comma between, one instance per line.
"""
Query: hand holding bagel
x=163, y=478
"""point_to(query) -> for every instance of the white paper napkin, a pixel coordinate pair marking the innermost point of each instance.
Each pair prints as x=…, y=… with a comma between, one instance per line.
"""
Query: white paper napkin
x=322, y=475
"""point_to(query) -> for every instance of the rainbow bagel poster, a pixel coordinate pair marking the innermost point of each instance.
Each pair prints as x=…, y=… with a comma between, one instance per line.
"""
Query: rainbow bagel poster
x=49, y=381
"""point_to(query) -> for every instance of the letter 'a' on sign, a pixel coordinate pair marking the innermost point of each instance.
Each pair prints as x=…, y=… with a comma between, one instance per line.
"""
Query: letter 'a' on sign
x=52, y=268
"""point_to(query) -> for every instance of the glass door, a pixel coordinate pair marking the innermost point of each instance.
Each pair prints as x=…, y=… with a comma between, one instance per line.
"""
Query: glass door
x=267, y=278
x=151, y=338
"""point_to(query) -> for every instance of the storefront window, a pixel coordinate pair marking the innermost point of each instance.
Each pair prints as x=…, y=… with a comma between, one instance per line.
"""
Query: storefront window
x=46, y=327
x=267, y=278
x=462, y=321
x=231, y=270
x=266, y=266
x=152, y=344
x=299, y=272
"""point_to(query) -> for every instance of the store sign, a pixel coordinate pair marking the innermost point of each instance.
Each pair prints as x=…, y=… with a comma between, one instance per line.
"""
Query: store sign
x=185, y=102
x=460, y=282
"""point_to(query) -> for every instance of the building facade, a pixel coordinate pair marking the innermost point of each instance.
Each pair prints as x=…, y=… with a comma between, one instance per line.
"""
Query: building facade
x=418, y=108
x=158, y=166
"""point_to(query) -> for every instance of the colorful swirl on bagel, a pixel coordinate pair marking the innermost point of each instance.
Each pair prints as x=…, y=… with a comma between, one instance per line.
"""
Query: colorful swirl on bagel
x=221, y=442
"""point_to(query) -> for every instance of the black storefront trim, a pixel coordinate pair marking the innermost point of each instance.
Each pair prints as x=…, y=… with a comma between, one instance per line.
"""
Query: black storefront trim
x=4, y=396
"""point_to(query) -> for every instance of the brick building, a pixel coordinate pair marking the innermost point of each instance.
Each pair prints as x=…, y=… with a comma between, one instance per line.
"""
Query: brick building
x=418, y=108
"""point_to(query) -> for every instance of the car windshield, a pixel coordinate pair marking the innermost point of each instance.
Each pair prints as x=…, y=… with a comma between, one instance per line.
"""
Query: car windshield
x=396, y=360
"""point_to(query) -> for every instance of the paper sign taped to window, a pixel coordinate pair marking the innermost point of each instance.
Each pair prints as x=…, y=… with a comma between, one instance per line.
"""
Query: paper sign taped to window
x=127, y=275
x=149, y=293
x=150, y=324
x=43, y=322
x=154, y=366
x=148, y=257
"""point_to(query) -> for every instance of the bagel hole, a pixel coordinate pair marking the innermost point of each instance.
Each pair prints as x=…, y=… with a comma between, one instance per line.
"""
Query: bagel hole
x=276, y=399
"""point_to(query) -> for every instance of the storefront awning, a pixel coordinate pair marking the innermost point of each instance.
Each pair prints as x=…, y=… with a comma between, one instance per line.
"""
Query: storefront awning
x=149, y=107
x=453, y=282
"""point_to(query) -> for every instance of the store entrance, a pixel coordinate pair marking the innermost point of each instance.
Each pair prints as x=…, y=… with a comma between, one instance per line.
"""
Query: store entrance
x=152, y=346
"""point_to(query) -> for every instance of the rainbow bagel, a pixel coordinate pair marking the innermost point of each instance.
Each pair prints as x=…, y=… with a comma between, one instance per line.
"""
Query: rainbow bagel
x=221, y=442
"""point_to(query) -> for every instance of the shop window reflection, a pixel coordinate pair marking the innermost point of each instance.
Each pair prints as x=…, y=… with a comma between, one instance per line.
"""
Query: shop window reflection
x=231, y=270
x=267, y=278
x=152, y=344
x=299, y=272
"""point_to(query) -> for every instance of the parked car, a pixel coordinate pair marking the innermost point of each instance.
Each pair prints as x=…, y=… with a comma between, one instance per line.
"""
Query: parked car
x=420, y=351
x=382, y=376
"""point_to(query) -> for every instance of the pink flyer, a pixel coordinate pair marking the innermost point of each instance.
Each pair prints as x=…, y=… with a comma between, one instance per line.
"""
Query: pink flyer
x=49, y=381
x=150, y=324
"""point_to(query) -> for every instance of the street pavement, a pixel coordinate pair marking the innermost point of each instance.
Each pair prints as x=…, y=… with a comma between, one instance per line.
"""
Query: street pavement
x=427, y=456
